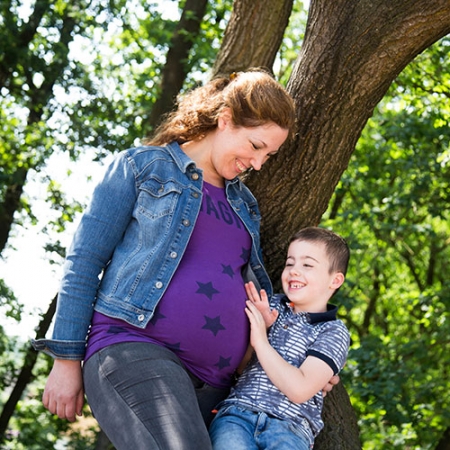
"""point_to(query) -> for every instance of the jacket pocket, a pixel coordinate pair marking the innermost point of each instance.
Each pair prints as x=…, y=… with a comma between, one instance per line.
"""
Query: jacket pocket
x=157, y=199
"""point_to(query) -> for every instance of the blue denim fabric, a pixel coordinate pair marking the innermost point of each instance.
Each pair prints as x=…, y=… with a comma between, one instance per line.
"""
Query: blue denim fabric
x=135, y=231
x=240, y=429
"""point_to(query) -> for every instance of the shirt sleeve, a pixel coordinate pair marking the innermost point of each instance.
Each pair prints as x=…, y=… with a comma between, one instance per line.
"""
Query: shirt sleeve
x=332, y=344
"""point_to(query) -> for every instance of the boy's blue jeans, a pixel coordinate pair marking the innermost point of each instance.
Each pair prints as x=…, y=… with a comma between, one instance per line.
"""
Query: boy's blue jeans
x=240, y=429
x=144, y=398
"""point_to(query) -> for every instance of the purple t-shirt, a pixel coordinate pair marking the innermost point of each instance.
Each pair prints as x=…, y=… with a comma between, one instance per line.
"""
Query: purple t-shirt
x=201, y=316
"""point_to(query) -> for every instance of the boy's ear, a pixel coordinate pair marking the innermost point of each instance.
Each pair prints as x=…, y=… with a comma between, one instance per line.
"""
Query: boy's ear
x=337, y=281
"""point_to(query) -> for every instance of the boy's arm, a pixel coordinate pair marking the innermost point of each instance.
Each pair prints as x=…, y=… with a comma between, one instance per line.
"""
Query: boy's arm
x=299, y=384
x=261, y=301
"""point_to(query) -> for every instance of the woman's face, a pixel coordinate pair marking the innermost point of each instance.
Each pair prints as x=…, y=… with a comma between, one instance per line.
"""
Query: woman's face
x=238, y=149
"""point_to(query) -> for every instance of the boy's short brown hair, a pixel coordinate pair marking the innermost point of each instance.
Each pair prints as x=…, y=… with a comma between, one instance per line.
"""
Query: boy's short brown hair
x=335, y=246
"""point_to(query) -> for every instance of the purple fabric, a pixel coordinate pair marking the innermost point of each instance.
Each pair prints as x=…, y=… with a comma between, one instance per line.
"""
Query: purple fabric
x=201, y=316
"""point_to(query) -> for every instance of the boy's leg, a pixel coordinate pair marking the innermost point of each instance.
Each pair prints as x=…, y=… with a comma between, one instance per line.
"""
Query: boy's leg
x=277, y=434
x=143, y=399
x=233, y=428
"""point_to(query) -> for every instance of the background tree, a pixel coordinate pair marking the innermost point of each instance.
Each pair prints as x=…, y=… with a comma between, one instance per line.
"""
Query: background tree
x=351, y=54
x=393, y=203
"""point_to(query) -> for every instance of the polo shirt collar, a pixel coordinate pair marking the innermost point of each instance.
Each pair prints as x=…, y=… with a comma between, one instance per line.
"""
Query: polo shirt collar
x=330, y=313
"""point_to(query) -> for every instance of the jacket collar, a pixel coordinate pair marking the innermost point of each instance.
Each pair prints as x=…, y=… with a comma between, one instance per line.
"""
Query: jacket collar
x=181, y=159
x=186, y=164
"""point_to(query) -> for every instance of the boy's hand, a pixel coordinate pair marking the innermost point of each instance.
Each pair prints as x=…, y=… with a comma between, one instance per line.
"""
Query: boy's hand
x=261, y=302
x=258, y=331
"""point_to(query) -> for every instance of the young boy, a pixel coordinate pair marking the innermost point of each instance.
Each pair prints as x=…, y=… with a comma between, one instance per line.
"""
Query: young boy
x=277, y=401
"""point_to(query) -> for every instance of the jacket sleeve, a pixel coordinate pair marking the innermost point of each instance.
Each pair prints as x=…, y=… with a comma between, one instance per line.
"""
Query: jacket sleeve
x=101, y=228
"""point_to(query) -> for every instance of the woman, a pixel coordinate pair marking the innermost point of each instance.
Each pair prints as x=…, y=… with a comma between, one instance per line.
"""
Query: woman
x=174, y=233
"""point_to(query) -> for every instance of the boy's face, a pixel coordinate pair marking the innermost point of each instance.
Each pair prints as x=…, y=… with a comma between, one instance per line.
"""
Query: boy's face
x=306, y=279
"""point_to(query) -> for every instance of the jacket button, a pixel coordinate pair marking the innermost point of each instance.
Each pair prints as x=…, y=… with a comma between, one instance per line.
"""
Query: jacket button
x=195, y=176
x=173, y=255
x=186, y=222
x=158, y=284
x=141, y=317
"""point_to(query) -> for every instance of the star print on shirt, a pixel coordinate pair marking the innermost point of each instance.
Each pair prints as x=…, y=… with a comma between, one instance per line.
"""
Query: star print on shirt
x=207, y=289
x=223, y=362
x=245, y=255
x=114, y=329
x=213, y=324
x=156, y=317
x=228, y=270
x=174, y=347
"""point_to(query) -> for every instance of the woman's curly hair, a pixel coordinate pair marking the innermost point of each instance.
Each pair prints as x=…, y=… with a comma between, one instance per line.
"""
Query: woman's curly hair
x=253, y=97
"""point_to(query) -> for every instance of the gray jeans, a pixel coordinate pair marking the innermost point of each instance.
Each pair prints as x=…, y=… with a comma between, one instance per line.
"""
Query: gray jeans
x=144, y=398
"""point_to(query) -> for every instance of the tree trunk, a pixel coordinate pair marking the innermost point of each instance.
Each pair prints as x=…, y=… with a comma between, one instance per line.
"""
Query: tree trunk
x=341, y=429
x=253, y=35
x=10, y=204
x=444, y=443
x=351, y=53
x=176, y=67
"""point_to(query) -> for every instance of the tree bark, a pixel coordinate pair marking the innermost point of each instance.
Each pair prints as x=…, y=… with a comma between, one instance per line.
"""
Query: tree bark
x=351, y=54
x=341, y=430
x=444, y=443
x=10, y=204
x=253, y=35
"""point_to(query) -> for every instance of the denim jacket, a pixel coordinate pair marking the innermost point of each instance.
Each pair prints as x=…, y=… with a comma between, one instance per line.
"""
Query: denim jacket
x=131, y=239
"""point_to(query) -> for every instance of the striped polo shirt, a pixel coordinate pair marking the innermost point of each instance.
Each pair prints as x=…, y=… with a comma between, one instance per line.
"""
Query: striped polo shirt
x=295, y=336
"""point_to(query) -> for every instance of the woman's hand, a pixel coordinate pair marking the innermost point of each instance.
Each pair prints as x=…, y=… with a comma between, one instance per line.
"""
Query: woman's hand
x=329, y=386
x=63, y=393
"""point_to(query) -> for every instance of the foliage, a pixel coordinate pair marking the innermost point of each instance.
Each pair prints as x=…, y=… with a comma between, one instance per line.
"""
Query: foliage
x=33, y=428
x=393, y=205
